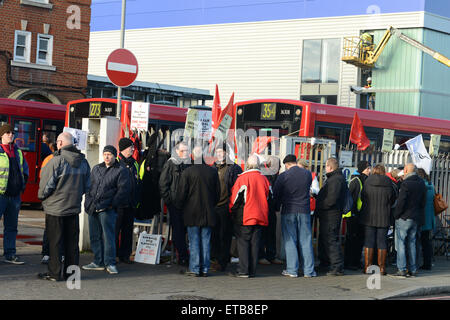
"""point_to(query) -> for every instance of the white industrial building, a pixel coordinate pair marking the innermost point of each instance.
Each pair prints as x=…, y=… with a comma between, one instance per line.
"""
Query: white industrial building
x=282, y=58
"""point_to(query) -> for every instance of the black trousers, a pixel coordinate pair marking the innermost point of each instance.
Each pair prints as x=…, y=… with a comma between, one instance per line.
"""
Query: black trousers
x=221, y=236
x=248, y=242
x=62, y=230
x=329, y=229
x=124, y=232
x=178, y=232
x=353, y=242
x=375, y=237
x=268, y=247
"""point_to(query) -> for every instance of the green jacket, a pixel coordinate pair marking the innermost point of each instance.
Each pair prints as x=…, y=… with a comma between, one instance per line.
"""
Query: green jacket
x=5, y=165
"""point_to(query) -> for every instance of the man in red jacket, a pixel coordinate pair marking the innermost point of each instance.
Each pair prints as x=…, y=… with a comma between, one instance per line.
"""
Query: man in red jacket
x=249, y=209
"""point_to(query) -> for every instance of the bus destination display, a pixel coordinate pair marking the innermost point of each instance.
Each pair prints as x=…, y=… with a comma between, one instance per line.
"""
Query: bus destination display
x=268, y=111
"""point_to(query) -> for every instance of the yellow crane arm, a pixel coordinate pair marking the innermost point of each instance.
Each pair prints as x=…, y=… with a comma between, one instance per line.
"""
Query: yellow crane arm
x=436, y=55
x=373, y=57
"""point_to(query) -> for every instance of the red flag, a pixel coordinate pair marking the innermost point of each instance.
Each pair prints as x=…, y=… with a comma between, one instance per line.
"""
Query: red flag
x=357, y=134
x=261, y=143
x=228, y=110
x=216, y=109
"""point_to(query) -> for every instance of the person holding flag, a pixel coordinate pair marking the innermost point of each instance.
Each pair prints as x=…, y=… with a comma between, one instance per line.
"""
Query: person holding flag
x=419, y=154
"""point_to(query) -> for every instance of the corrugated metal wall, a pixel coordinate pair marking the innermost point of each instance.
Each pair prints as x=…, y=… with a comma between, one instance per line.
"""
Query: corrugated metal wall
x=398, y=69
x=435, y=97
x=409, y=81
x=254, y=60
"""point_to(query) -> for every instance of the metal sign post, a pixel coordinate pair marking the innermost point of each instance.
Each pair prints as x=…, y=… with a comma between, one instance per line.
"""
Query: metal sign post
x=122, y=44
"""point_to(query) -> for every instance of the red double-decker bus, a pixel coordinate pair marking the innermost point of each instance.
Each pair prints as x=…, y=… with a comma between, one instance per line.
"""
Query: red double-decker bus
x=160, y=116
x=310, y=119
x=30, y=121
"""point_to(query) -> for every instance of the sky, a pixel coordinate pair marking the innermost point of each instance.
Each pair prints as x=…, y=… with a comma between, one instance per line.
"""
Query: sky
x=106, y=14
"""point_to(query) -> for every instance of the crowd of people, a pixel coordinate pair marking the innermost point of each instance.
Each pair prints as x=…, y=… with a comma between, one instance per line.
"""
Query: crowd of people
x=210, y=203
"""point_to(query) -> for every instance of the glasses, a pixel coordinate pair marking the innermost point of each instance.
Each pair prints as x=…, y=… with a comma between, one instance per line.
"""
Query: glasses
x=9, y=132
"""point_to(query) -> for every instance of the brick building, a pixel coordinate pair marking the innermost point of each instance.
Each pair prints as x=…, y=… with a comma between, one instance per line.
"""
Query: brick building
x=44, y=49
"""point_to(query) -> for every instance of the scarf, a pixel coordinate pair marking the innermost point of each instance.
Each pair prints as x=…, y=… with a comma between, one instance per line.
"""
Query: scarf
x=9, y=149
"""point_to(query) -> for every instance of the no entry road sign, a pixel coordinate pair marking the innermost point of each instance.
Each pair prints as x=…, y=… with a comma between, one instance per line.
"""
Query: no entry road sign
x=122, y=67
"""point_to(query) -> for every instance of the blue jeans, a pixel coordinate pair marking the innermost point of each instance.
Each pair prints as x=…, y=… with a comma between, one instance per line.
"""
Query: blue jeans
x=9, y=209
x=199, y=246
x=102, y=228
x=405, y=236
x=297, y=238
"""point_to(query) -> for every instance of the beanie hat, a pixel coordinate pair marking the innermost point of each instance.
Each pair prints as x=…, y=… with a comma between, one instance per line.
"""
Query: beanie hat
x=110, y=149
x=289, y=158
x=363, y=165
x=125, y=143
x=6, y=128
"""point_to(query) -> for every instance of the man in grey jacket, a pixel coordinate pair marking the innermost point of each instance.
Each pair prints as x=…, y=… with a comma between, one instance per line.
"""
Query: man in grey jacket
x=64, y=180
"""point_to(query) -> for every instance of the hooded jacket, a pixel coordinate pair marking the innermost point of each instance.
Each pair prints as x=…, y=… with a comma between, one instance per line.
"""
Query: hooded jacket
x=248, y=201
x=64, y=180
x=378, y=196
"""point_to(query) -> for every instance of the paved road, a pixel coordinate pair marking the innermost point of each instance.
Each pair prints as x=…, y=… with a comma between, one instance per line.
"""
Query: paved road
x=164, y=282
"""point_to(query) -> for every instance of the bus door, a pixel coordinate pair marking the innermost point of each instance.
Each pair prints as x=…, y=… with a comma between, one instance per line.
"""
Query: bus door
x=26, y=138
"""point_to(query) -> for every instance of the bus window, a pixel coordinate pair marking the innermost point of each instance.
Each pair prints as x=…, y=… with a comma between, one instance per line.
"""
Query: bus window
x=25, y=134
x=52, y=128
x=444, y=146
x=3, y=119
x=330, y=133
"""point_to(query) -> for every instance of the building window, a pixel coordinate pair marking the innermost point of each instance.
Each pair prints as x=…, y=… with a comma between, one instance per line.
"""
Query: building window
x=321, y=61
x=107, y=93
x=44, y=49
x=22, y=46
x=321, y=99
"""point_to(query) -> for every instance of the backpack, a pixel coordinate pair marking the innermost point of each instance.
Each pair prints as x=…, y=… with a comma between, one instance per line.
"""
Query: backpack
x=348, y=214
x=348, y=202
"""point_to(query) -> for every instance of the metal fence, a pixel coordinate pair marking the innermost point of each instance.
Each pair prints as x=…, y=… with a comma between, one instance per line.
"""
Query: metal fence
x=439, y=175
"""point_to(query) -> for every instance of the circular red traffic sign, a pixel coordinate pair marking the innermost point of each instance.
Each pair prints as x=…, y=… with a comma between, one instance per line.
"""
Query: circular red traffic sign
x=122, y=67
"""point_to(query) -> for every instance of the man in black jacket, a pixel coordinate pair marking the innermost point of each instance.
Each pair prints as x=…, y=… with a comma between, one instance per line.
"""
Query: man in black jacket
x=223, y=230
x=109, y=192
x=168, y=188
x=330, y=203
x=125, y=215
x=198, y=194
x=354, y=237
x=408, y=215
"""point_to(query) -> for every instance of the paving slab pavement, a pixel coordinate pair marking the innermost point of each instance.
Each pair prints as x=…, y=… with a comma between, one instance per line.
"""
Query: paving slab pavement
x=164, y=281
